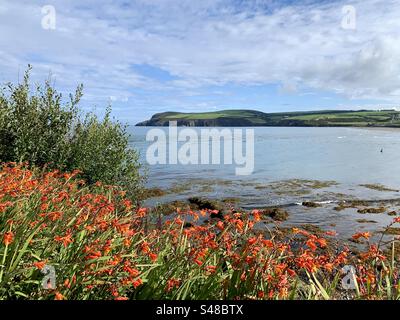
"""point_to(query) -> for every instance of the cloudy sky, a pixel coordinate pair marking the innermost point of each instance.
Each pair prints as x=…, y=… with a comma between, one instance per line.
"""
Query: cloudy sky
x=148, y=56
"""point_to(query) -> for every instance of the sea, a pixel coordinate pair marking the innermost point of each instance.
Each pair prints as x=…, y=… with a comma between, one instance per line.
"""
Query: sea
x=293, y=165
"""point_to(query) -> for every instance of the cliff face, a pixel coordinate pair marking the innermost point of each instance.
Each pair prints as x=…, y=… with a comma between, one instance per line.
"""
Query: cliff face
x=229, y=118
x=219, y=122
x=157, y=121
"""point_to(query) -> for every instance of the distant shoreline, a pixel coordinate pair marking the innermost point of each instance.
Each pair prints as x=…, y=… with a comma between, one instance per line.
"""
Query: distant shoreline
x=380, y=128
x=344, y=127
x=253, y=118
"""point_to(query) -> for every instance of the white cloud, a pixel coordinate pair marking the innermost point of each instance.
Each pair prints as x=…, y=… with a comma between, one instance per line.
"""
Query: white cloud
x=205, y=43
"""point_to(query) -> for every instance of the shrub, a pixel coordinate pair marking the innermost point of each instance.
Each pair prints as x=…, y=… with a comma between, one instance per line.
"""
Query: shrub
x=101, y=150
x=40, y=128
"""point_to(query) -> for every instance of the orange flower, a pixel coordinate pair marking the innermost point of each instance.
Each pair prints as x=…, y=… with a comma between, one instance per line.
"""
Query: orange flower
x=67, y=283
x=328, y=266
x=172, y=283
x=3, y=206
x=133, y=272
x=291, y=272
x=127, y=204
x=66, y=240
x=94, y=255
x=300, y=231
x=198, y=262
x=145, y=247
x=40, y=265
x=8, y=238
x=153, y=257
x=396, y=220
x=311, y=244
x=220, y=225
x=239, y=225
x=211, y=269
x=53, y=216
x=371, y=277
x=137, y=283
x=268, y=243
x=127, y=242
x=365, y=235
x=321, y=242
x=59, y=296
x=179, y=221
x=256, y=215
x=142, y=212
x=331, y=233
x=214, y=212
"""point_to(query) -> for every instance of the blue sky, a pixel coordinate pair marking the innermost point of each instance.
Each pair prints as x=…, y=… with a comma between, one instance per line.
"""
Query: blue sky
x=148, y=56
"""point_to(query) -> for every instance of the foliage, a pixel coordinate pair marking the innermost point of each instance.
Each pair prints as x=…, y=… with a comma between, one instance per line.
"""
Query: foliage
x=103, y=248
x=40, y=128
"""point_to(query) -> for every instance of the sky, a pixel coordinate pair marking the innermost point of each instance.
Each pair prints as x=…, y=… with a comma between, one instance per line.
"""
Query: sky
x=149, y=56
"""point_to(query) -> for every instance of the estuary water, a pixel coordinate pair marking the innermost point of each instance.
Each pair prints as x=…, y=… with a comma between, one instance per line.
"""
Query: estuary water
x=292, y=165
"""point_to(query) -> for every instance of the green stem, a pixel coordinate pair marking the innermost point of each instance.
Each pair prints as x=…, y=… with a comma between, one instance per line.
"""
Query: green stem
x=3, y=263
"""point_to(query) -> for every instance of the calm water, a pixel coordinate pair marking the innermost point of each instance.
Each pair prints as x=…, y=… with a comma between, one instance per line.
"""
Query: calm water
x=348, y=156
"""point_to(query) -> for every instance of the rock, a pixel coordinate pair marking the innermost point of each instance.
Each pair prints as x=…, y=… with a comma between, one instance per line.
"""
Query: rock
x=188, y=225
x=170, y=207
x=358, y=241
x=312, y=228
x=231, y=200
x=372, y=210
x=392, y=213
x=311, y=204
x=207, y=204
x=203, y=203
x=277, y=214
x=353, y=204
x=365, y=221
x=152, y=193
x=392, y=231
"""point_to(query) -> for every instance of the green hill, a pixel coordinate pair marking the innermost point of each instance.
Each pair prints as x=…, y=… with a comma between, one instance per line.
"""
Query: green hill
x=252, y=118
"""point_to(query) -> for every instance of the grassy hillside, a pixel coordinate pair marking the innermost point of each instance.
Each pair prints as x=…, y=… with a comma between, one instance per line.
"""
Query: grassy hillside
x=329, y=118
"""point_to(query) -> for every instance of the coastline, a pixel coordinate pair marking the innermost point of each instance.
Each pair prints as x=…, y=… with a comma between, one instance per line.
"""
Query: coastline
x=395, y=129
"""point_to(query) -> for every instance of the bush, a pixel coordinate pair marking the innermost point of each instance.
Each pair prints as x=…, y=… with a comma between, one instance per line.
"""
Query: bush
x=39, y=128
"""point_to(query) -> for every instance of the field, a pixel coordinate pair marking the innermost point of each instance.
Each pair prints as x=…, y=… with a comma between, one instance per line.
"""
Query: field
x=362, y=118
